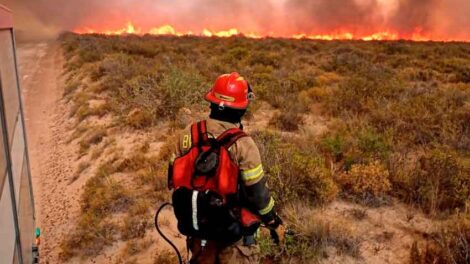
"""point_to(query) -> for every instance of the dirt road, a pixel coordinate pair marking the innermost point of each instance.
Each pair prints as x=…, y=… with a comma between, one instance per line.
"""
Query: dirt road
x=54, y=160
x=40, y=67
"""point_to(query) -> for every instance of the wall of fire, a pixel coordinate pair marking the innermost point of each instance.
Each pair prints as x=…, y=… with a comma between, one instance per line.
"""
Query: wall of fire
x=16, y=198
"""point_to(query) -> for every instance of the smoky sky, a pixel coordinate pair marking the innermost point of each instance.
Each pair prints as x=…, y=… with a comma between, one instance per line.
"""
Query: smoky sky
x=443, y=18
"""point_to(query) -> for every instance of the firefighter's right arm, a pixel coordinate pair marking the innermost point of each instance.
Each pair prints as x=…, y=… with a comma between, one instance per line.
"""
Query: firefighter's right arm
x=254, y=181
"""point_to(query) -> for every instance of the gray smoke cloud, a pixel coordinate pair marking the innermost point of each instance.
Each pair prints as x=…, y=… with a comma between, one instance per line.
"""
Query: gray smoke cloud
x=413, y=14
x=329, y=15
x=438, y=18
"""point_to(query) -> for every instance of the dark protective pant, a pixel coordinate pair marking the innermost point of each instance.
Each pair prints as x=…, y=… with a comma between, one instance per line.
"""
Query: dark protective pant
x=213, y=253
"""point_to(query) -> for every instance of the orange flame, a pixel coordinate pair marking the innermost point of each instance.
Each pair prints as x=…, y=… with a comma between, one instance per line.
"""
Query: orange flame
x=417, y=35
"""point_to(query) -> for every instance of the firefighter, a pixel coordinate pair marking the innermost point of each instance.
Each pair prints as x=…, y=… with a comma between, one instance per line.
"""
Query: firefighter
x=229, y=99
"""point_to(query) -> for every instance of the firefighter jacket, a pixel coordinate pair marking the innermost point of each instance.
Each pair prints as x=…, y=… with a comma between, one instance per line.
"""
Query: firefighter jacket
x=254, y=193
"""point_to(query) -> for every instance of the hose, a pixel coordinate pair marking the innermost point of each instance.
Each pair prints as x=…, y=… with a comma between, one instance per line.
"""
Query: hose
x=180, y=259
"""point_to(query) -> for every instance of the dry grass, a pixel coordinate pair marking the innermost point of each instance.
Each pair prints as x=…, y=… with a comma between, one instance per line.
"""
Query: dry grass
x=451, y=244
x=312, y=235
x=93, y=137
x=165, y=257
x=134, y=247
x=89, y=239
x=398, y=117
x=102, y=196
x=137, y=221
x=82, y=166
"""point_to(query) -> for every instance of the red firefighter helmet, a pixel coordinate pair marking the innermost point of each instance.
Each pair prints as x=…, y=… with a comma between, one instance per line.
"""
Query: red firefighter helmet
x=230, y=90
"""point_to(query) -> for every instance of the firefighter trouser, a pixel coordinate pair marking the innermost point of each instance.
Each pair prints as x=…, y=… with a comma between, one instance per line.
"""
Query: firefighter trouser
x=213, y=253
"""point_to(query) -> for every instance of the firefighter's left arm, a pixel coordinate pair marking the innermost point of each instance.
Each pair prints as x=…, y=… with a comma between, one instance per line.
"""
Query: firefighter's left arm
x=254, y=180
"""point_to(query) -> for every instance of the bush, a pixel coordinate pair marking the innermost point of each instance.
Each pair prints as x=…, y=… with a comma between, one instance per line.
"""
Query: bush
x=381, y=104
x=139, y=118
x=135, y=226
x=89, y=238
x=264, y=58
x=424, y=117
x=103, y=196
x=451, y=244
x=313, y=95
x=179, y=89
x=312, y=235
x=334, y=144
x=366, y=179
x=141, y=92
x=294, y=174
x=286, y=120
x=441, y=181
x=373, y=145
x=363, y=94
x=71, y=86
x=94, y=137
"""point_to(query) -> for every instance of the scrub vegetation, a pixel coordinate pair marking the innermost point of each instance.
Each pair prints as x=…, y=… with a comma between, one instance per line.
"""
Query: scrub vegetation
x=395, y=120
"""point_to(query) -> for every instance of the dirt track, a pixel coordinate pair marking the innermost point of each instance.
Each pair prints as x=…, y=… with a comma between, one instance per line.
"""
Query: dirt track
x=53, y=159
x=56, y=202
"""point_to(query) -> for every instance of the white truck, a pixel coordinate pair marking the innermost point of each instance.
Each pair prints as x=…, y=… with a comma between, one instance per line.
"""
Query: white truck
x=17, y=220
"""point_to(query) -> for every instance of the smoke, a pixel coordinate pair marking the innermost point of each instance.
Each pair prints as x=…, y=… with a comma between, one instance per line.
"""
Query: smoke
x=322, y=16
x=439, y=19
x=414, y=14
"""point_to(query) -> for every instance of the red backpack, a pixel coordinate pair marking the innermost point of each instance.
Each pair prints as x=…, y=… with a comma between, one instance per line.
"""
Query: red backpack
x=206, y=187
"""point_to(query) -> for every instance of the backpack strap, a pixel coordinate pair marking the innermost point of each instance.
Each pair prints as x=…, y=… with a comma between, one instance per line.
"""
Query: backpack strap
x=194, y=134
x=199, y=133
x=230, y=136
x=203, y=131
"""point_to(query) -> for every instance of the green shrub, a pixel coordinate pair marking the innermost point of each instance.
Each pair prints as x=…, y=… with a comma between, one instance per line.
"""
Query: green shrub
x=373, y=145
x=364, y=94
x=334, y=144
x=179, y=89
x=294, y=174
x=424, y=117
x=440, y=180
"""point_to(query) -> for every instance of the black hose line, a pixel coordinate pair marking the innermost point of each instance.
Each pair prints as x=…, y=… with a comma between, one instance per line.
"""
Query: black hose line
x=180, y=259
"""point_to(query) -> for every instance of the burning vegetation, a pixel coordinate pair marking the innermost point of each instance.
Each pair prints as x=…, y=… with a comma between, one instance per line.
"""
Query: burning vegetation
x=371, y=123
x=417, y=20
